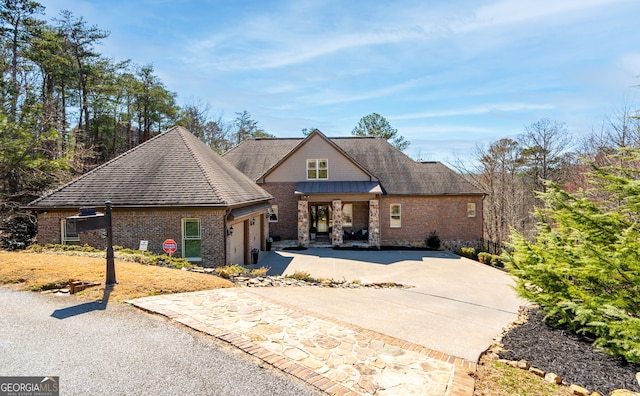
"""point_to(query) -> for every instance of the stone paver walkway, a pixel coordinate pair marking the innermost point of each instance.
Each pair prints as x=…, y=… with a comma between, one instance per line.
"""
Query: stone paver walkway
x=336, y=357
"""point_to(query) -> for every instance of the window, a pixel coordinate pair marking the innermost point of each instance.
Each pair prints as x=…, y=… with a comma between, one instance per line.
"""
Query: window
x=67, y=237
x=347, y=215
x=272, y=214
x=396, y=216
x=191, y=239
x=317, y=169
x=471, y=209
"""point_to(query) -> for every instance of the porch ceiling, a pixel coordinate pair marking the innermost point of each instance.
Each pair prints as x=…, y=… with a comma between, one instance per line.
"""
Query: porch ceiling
x=338, y=187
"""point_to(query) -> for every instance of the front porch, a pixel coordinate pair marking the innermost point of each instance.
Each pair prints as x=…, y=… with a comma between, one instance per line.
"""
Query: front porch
x=330, y=223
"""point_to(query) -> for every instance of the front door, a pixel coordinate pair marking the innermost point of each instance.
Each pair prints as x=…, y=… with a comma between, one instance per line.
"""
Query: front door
x=321, y=217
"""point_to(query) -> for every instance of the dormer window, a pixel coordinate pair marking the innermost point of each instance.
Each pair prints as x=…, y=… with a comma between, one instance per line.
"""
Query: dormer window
x=317, y=169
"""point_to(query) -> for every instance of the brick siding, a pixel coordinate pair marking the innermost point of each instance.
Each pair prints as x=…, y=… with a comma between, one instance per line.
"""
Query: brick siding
x=155, y=225
x=447, y=215
x=287, y=225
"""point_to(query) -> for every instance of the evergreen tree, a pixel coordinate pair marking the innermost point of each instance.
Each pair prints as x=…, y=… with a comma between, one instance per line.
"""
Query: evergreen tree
x=376, y=125
x=583, y=265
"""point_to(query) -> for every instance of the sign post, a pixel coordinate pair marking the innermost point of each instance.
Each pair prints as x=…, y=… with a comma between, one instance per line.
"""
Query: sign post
x=170, y=246
x=111, y=269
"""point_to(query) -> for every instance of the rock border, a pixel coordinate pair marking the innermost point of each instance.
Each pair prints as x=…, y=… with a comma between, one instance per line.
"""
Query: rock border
x=283, y=281
x=492, y=353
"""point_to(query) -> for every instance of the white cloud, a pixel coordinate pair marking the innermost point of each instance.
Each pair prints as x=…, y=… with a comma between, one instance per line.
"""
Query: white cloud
x=477, y=110
x=329, y=98
x=512, y=12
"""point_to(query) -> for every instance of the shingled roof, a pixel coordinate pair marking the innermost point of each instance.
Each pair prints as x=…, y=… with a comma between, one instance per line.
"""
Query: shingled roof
x=398, y=174
x=171, y=169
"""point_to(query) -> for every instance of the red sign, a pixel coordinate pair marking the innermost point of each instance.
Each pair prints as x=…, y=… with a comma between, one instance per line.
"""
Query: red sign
x=170, y=246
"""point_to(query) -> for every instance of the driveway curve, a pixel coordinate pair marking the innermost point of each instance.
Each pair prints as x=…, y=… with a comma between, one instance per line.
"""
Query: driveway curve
x=456, y=305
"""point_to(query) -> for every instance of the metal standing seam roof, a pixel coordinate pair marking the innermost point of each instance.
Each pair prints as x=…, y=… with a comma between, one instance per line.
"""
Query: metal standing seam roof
x=341, y=187
x=172, y=169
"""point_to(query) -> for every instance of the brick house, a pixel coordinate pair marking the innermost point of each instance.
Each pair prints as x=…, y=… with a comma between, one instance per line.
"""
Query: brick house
x=359, y=188
x=170, y=187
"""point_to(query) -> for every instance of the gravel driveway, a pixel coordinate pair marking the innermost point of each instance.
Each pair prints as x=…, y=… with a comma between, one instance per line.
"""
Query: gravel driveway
x=120, y=350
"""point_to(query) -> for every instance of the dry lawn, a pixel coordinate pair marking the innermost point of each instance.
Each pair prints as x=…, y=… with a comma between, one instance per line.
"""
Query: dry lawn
x=498, y=379
x=34, y=271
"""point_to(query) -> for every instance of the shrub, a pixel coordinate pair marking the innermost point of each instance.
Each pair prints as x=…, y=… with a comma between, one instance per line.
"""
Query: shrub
x=469, y=252
x=484, y=257
x=302, y=275
x=228, y=271
x=496, y=261
x=433, y=240
x=262, y=271
x=582, y=264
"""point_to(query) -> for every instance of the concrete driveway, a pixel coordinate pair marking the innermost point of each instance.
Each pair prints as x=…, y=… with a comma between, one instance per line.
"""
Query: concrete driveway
x=456, y=305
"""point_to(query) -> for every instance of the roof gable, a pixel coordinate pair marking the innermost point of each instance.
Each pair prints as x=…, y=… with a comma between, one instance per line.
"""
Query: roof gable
x=171, y=169
x=398, y=174
x=292, y=167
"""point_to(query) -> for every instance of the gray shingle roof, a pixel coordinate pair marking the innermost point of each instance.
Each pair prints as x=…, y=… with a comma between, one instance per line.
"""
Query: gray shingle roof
x=398, y=174
x=254, y=157
x=172, y=169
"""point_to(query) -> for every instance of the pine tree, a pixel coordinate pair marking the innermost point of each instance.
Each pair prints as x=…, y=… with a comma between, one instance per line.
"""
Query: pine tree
x=583, y=265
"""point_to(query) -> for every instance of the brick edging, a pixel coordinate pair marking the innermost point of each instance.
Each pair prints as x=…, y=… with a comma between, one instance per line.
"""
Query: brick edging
x=280, y=362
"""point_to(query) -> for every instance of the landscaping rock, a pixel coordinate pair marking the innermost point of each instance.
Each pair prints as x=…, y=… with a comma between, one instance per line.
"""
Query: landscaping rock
x=578, y=390
x=638, y=378
x=537, y=371
x=553, y=378
x=623, y=392
x=282, y=281
x=523, y=364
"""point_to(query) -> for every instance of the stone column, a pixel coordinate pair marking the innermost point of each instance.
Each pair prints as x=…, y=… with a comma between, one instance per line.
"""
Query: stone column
x=374, y=223
x=303, y=223
x=337, y=222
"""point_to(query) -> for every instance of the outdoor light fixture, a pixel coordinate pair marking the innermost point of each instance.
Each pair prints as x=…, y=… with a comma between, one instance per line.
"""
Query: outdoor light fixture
x=230, y=230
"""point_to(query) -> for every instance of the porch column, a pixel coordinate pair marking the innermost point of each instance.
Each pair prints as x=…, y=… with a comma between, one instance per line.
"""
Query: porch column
x=374, y=223
x=303, y=223
x=337, y=222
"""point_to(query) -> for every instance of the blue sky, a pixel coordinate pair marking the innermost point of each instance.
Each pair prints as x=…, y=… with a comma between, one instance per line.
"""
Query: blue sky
x=449, y=75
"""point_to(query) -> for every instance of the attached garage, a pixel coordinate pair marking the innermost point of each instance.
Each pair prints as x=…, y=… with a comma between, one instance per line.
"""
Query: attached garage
x=172, y=186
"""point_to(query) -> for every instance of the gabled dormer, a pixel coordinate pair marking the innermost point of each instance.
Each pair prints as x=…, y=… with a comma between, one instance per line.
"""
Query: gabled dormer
x=316, y=159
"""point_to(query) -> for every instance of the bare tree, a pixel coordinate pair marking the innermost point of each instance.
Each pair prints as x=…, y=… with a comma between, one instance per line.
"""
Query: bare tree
x=545, y=145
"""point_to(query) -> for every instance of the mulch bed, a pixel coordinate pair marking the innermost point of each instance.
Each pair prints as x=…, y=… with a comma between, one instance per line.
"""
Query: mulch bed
x=569, y=355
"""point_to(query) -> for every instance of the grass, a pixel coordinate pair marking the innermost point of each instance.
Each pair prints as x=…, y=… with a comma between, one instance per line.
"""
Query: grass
x=499, y=379
x=33, y=271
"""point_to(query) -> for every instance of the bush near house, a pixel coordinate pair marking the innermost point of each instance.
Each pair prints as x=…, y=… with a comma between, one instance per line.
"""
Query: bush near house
x=469, y=252
x=432, y=241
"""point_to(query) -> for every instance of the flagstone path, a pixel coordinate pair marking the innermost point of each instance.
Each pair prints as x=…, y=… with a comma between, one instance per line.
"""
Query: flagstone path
x=336, y=357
